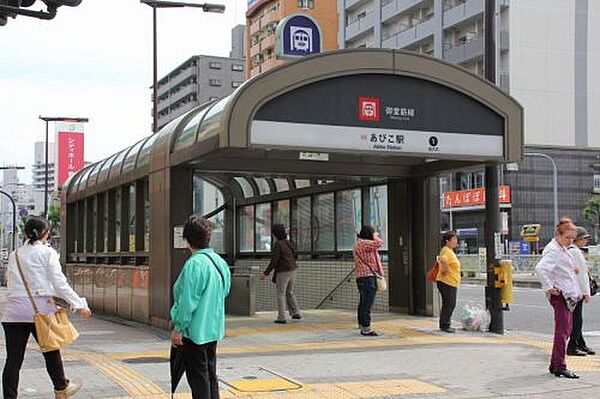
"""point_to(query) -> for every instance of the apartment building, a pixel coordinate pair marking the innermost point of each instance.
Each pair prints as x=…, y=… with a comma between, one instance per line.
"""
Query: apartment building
x=547, y=57
x=38, y=171
x=262, y=19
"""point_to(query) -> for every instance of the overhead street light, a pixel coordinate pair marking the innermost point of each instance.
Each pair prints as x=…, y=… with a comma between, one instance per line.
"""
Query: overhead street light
x=54, y=119
x=206, y=7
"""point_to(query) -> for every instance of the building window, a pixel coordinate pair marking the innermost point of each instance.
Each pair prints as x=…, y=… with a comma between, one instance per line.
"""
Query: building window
x=300, y=224
x=597, y=184
x=215, y=82
x=236, y=83
x=214, y=65
x=237, y=67
x=263, y=227
x=306, y=4
x=246, y=228
x=378, y=212
x=323, y=223
x=348, y=218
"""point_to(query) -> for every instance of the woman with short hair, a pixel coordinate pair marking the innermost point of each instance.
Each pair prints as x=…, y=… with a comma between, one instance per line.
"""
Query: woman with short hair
x=557, y=271
x=198, y=312
x=448, y=279
x=42, y=270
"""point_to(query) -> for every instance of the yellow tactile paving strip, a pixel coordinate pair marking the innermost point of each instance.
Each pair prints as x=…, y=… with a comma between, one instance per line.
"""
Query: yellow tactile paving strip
x=342, y=390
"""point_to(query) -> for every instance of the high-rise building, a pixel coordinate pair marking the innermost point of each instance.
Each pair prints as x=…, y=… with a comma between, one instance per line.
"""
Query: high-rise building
x=547, y=57
x=262, y=18
x=22, y=194
x=38, y=171
x=201, y=78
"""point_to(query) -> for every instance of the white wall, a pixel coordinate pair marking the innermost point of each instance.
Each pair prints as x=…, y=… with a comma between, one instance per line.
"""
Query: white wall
x=594, y=73
x=542, y=62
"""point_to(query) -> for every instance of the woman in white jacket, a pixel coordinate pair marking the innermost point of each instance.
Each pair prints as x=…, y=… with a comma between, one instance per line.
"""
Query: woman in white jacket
x=42, y=269
x=577, y=345
x=557, y=272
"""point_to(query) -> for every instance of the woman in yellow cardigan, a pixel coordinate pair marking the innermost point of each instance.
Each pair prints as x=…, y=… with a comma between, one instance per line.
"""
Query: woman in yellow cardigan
x=448, y=279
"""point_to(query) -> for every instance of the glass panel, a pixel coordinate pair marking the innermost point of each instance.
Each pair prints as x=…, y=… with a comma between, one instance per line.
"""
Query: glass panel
x=281, y=185
x=348, y=218
x=94, y=174
x=188, y=135
x=84, y=178
x=323, y=217
x=378, y=211
x=75, y=183
x=115, y=169
x=146, y=216
x=144, y=157
x=246, y=187
x=263, y=227
x=281, y=213
x=131, y=156
x=105, y=221
x=207, y=197
x=263, y=185
x=118, y=220
x=103, y=175
x=300, y=224
x=246, y=229
x=216, y=238
x=131, y=218
x=94, y=224
x=210, y=124
x=301, y=183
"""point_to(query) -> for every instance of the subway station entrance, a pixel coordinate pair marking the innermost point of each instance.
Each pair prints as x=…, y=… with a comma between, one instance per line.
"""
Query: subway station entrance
x=322, y=145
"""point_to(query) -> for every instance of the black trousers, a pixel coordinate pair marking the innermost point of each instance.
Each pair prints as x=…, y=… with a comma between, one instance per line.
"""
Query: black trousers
x=576, y=341
x=367, y=288
x=448, y=303
x=201, y=369
x=17, y=335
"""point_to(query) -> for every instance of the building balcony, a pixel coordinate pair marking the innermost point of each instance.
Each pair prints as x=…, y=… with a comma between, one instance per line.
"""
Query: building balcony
x=166, y=87
x=465, y=52
x=255, y=27
x=393, y=8
x=273, y=16
x=360, y=26
x=504, y=81
x=350, y=4
x=270, y=63
x=469, y=9
x=268, y=42
x=504, y=40
x=410, y=36
x=254, y=50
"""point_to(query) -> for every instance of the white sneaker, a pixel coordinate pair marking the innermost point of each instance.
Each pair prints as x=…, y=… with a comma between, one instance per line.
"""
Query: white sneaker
x=71, y=389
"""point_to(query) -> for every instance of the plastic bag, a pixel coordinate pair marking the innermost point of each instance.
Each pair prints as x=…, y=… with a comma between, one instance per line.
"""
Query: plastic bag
x=474, y=317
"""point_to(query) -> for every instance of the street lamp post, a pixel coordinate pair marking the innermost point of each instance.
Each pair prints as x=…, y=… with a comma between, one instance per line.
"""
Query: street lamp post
x=14, y=223
x=206, y=7
x=53, y=119
x=554, y=180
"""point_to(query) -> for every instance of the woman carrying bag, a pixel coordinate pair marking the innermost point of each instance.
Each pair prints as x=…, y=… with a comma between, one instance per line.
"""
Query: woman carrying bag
x=368, y=269
x=41, y=268
x=448, y=279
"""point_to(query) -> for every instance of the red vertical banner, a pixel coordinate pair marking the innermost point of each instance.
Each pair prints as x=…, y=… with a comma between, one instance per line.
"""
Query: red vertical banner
x=69, y=151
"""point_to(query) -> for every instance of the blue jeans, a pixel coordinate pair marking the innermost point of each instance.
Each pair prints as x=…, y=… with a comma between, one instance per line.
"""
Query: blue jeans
x=367, y=288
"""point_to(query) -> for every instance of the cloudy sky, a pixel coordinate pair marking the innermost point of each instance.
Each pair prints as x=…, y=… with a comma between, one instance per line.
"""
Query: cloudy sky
x=95, y=61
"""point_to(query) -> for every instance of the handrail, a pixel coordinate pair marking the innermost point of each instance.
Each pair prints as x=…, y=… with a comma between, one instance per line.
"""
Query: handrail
x=335, y=288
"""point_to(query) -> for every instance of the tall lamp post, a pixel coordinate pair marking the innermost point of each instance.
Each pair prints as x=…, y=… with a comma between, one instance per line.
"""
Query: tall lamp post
x=14, y=223
x=206, y=7
x=554, y=180
x=53, y=119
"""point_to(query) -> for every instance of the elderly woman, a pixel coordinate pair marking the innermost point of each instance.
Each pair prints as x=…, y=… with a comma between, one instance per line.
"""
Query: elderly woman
x=448, y=279
x=557, y=271
x=577, y=345
x=198, y=312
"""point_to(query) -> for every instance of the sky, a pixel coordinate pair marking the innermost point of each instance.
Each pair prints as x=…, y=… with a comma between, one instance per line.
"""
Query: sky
x=95, y=61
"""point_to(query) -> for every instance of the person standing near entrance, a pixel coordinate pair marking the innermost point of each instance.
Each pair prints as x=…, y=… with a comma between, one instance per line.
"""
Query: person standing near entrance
x=368, y=266
x=577, y=345
x=198, y=312
x=43, y=273
x=283, y=264
x=448, y=279
x=557, y=271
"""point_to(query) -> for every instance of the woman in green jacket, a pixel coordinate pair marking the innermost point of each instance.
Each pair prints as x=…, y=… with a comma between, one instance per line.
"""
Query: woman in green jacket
x=198, y=312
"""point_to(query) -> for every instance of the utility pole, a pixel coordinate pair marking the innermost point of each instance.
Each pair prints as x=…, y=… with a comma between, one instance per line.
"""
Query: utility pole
x=492, y=206
x=14, y=206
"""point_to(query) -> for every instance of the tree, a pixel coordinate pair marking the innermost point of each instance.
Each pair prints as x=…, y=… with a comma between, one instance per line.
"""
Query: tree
x=591, y=212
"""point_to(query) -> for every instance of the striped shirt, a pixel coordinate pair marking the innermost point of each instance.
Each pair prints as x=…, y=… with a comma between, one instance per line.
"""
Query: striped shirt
x=366, y=258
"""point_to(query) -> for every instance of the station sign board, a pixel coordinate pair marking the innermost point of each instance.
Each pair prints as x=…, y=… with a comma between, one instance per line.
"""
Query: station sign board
x=69, y=150
x=297, y=35
x=379, y=113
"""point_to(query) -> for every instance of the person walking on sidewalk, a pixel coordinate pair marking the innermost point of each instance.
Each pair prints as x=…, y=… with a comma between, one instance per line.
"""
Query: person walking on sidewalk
x=448, y=279
x=198, y=312
x=367, y=264
x=577, y=345
x=557, y=271
x=41, y=266
x=283, y=264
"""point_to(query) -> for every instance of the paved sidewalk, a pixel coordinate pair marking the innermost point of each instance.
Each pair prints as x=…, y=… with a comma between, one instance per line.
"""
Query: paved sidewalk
x=321, y=356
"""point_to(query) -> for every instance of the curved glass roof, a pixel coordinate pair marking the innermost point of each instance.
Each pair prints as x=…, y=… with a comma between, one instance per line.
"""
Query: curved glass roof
x=115, y=168
x=246, y=187
x=188, y=136
x=263, y=185
x=129, y=162
x=84, y=178
x=144, y=157
x=281, y=185
x=94, y=175
x=103, y=175
x=210, y=123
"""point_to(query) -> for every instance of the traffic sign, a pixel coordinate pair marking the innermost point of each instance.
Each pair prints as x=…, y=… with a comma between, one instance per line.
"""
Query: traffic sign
x=23, y=213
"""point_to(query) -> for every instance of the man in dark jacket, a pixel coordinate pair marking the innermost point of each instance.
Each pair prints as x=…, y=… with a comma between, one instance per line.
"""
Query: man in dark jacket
x=283, y=261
